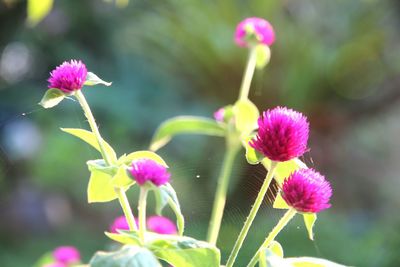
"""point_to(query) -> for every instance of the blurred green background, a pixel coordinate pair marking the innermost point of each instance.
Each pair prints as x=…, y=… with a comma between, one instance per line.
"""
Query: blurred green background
x=337, y=61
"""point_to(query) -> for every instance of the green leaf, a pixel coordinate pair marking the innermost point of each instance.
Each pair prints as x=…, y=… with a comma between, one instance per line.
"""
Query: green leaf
x=185, y=251
x=276, y=248
x=279, y=202
x=47, y=258
x=311, y=262
x=52, y=97
x=165, y=194
x=124, y=238
x=270, y=259
x=93, y=79
x=100, y=188
x=184, y=125
x=144, y=154
x=128, y=255
x=122, y=178
x=309, y=221
x=37, y=10
x=263, y=55
x=90, y=138
x=100, y=165
x=246, y=116
x=253, y=157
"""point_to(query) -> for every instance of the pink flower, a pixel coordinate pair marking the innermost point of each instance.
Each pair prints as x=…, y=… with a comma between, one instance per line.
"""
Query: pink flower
x=254, y=31
x=307, y=191
x=66, y=255
x=219, y=115
x=144, y=170
x=282, y=134
x=161, y=225
x=120, y=223
x=69, y=76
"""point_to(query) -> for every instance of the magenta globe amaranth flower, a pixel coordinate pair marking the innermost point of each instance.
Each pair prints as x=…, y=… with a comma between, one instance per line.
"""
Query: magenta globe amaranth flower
x=66, y=255
x=254, y=31
x=120, y=223
x=307, y=191
x=69, y=76
x=147, y=170
x=161, y=225
x=282, y=134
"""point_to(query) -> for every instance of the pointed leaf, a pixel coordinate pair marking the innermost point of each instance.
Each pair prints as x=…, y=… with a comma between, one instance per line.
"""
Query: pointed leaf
x=90, y=138
x=246, y=116
x=164, y=195
x=132, y=239
x=92, y=79
x=128, y=255
x=185, y=251
x=279, y=202
x=309, y=220
x=145, y=154
x=52, y=97
x=311, y=262
x=100, y=188
x=276, y=248
x=284, y=169
x=263, y=55
x=253, y=157
x=184, y=125
x=37, y=10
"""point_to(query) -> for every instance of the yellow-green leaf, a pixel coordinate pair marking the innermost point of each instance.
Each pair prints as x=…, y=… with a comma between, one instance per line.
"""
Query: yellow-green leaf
x=309, y=221
x=38, y=10
x=284, y=169
x=122, y=179
x=52, y=97
x=253, y=157
x=279, y=202
x=92, y=79
x=90, y=138
x=123, y=238
x=311, y=262
x=276, y=248
x=246, y=116
x=144, y=154
x=184, y=125
x=100, y=188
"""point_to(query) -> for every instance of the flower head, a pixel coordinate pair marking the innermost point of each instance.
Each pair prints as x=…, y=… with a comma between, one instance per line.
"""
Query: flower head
x=282, y=134
x=120, y=223
x=219, y=115
x=66, y=255
x=144, y=170
x=161, y=225
x=69, y=76
x=254, y=30
x=307, y=191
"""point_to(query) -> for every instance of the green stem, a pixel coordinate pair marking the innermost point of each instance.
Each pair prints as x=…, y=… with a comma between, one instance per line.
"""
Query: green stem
x=92, y=122
x=252, y=215
x=123, y=201
x=248, y=74
x=281, y=224
x=142, y=213
x=220, y=195
x=95, y=130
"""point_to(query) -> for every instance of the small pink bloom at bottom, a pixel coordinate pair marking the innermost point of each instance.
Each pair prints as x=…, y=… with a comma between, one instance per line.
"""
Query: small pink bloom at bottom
x=120, y=223
x=66, y=255
x=161, y=225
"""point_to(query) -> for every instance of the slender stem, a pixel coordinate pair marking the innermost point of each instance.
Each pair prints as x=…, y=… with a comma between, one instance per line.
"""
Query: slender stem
x=248, y=74
x=142, y=213
x=252, y=215
x=123, y=201
x=92, y=122
x=220, y=195
x=281, y=224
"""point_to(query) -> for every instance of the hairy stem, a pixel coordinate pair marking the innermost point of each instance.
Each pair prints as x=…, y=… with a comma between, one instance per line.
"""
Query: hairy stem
x=281, y=224
x=220, y=195
x=252, y=215
x=95, y=130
